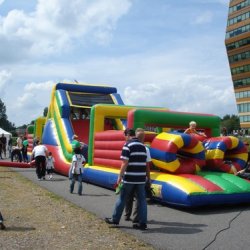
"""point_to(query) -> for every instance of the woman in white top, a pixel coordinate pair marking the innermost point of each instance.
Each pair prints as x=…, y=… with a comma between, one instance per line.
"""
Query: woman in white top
x=39, y=153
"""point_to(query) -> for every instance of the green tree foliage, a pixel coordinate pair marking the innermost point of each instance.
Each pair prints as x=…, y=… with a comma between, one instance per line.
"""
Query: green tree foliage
x=230, y=122
x=45, y=111
x=24, y=126
x=3, y=115
x=4, y=123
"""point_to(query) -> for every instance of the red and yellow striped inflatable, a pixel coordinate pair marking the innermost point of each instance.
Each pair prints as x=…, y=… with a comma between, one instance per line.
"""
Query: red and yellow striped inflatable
x=226, y=153
x=177, y=153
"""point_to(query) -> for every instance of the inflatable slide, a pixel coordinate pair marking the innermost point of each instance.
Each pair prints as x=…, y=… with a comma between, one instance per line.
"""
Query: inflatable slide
x=187, y=171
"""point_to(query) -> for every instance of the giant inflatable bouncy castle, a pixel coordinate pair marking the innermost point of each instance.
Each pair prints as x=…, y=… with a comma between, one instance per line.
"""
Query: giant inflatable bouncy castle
x=187, y=170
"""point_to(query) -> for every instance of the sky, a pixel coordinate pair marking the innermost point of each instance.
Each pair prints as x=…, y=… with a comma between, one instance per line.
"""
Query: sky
x=161, y=53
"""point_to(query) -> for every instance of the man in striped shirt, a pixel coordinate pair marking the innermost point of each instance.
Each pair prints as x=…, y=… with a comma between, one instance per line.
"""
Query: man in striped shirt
x=133, y=175
x=140, y=134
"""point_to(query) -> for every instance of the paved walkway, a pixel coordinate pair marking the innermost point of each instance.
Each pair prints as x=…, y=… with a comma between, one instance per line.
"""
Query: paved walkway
x=169, y=228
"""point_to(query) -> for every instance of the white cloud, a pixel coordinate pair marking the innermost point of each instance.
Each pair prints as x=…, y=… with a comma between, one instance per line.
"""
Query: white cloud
x=5, y=76
x=31, y=102
x=188, y=73
x=223, y=2
x=55, y=23
x=194, y=93
x=179, y=79
x=34, y=87
x=205, y=17
x=35, y=94
x=152, y=81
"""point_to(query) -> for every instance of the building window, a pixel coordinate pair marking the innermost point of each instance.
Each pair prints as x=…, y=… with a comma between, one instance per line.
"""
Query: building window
x=242, y=94
x=241, y=69
x=239, y=6
x=238, y=31
x=242, y=82
x=239, y=57
x=238, y=19
x=238, y=44
x=243, y=107
x=244, y=118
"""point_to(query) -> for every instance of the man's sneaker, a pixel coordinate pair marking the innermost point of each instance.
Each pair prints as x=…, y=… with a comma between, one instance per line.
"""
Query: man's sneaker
x=110, y=221
x=2, y=226
x=140, y=226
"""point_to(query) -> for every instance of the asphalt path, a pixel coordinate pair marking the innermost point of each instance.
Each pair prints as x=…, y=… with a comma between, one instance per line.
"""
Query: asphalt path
x=222, y=227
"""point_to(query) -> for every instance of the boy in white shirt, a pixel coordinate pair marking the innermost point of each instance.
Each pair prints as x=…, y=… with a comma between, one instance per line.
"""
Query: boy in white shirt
x=76, y=170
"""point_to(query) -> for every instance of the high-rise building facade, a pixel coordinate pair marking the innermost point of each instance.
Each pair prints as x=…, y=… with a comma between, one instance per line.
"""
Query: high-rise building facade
x=238, y=50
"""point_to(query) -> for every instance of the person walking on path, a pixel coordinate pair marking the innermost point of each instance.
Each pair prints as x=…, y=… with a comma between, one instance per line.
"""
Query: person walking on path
x=1, y=149
x=76, y=170
x=10, y=146
x=39, y=153
x=25, y=149
x=4, y=144
x=140, y=134
x=35, y=141
x=133, y=176
x=19, y=141
x=2, y=226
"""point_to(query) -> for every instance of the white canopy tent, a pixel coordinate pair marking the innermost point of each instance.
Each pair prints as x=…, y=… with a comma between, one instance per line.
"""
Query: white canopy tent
x=6, y=134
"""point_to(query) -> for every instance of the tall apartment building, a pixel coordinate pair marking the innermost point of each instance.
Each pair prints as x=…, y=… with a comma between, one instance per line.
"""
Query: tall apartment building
x=238, y=50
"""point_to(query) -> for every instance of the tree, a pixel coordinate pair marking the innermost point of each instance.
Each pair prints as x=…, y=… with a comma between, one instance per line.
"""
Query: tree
x=4, y=123
x=231, y=122
x=45, y=111
x=3, y=115
x=24, y=126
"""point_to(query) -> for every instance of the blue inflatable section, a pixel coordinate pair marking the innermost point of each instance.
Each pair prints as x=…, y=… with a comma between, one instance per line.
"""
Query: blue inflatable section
x=118, y=99
x=68, y=128
x=169, y=193
x=185, y=137
x=162, y=155
x=48, y=134
x=100, y=178
x=86, y=88
x=215, y=145
x=63, y=102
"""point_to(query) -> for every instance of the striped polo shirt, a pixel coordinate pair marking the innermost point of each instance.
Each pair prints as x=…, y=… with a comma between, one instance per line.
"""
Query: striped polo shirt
x=135, y=152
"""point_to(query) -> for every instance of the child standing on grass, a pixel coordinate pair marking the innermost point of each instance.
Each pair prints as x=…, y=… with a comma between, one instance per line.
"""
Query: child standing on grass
x=50, y=165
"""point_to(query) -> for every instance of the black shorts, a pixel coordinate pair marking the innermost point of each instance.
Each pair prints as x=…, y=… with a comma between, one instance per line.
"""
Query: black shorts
x=50, y=171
